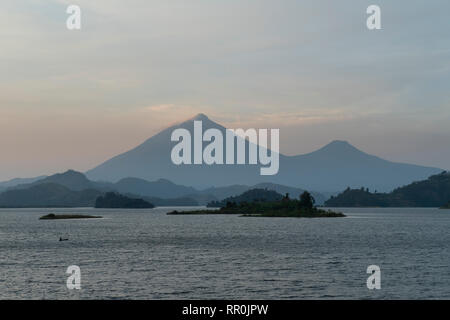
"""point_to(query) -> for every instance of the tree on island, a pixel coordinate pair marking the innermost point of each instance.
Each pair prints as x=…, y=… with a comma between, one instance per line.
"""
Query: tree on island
x=286, y=197
x=307, y=200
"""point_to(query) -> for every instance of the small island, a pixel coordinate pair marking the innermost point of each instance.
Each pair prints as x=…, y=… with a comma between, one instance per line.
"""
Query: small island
x=430, y=193
x=286, y=207
x=113, y=200
x=53, y=216
x=447, y=206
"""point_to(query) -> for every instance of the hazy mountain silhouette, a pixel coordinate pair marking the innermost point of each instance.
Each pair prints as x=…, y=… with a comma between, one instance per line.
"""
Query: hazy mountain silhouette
x=73, y=188
x=340, y=164
x=70, y=179
x=161, y=188
x=151, y=161
x=48, y=195
x=230, y=191
x=77, y=181
x=331, y=168
x=17, y=181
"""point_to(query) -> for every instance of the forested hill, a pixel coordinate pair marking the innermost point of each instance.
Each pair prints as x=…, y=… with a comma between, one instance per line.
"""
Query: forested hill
x=433, y=192
x=116, y=200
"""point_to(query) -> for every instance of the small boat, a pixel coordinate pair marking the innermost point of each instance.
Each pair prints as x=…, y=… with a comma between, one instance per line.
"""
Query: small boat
x=61, y=239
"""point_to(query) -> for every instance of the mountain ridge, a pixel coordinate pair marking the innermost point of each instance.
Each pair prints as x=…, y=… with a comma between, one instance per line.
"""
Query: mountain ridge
x=160, y=192
x=329, y=169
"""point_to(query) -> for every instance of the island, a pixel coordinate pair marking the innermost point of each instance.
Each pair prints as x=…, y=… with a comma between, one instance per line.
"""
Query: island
x=429, y=193
x=447, y=206
x=286, y=207
x=113, y=200
x=53, y=216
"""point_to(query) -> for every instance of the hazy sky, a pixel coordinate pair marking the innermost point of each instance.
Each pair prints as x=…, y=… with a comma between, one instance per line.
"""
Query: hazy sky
x=72, y=99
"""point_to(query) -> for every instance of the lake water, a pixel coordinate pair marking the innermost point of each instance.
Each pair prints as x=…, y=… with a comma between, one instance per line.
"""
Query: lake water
x=145, y=254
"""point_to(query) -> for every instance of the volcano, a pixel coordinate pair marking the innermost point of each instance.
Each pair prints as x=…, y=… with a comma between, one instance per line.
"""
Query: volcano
x=334, y=167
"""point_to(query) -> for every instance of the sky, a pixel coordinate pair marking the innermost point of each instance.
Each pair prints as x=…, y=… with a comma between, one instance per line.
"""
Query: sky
x=73, y=99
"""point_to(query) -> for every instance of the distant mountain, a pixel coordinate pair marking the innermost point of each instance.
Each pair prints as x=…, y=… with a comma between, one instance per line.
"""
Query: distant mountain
x=165, y=189
x=48, y=195
x=152, y=161
x=339, y=165
x=17, y=181
x=73, y=189
x=224, y=192
x=70, y=179
x=161, y=188
x=331, y=168
x=433, y=192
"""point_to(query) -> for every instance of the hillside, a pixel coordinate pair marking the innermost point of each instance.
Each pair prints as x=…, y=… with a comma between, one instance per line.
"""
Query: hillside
x=162, y=188
x=48, y=195
x=73, y=189
x=432, y=192
x=70, y=179
x=160, y=192
x=331, y=168
x=17, y=181
x=224, y=192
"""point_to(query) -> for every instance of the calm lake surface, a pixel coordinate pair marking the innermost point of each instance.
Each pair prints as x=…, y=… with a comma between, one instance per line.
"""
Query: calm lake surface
x=145, y=254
